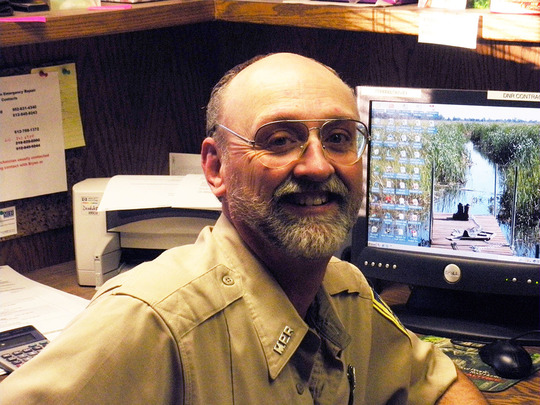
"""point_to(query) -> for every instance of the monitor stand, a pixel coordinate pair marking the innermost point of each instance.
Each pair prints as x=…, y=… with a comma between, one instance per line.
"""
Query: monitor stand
x=470, y=316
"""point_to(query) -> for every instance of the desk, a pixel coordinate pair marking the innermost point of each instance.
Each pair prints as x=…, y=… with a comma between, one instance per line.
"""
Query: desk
x=526, y=392
x=63, y=276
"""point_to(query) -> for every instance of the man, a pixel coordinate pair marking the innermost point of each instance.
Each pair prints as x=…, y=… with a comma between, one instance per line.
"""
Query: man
x=257, y=311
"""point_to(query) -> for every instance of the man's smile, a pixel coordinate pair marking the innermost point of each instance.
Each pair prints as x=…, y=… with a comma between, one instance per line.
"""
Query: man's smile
x=312, y=200
x=308, y=199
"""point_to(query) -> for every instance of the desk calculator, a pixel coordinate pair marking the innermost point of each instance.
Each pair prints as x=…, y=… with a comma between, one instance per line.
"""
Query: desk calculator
x=17, y=346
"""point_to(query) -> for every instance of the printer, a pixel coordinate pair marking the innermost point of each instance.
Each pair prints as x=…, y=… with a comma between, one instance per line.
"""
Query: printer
x=109, y=242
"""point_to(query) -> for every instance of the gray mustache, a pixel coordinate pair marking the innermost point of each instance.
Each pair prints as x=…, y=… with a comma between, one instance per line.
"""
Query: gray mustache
x=291, y=186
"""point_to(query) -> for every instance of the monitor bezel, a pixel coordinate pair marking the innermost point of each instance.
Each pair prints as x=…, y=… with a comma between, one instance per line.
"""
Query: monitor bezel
x=434, y=268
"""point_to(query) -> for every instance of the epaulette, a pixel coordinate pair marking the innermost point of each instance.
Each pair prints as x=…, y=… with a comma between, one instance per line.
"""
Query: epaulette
x=381, y=307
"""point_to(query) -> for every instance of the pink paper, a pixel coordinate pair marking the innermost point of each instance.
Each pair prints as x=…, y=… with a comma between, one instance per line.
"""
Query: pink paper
x=39, y=19
x=113, y=7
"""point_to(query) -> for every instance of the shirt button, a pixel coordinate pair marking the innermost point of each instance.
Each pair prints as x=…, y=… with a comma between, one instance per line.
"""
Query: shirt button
x=300, y=388
x=227, y=280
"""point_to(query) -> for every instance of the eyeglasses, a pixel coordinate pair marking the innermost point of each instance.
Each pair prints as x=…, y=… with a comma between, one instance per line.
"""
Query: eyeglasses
x=282, y=142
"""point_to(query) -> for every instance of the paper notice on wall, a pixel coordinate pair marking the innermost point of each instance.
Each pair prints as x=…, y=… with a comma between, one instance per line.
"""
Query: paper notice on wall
x=8, y=222
x=32, y=160
x=69, y=96
x=441, y=27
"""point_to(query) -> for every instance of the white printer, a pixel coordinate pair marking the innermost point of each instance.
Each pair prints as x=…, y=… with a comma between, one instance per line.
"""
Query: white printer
x=104, y=239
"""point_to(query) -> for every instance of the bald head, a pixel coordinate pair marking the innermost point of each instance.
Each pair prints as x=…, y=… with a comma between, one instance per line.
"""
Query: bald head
x=260, y=86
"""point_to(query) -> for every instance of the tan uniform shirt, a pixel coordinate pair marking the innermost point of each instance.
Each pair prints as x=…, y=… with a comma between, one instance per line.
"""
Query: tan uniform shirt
x=207, y=324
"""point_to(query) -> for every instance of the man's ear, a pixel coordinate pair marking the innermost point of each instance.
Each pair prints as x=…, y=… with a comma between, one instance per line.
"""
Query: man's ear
x=211, y=165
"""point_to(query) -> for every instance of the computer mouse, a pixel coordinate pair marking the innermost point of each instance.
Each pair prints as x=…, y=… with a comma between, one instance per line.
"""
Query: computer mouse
x=507, y=358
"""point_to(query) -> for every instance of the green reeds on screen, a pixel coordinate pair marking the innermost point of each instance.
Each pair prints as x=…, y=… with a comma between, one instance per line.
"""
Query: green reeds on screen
x=448, y=154
x=512, y=145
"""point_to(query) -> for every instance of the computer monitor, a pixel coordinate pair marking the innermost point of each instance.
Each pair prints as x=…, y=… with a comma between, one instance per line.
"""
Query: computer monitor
x=452, y=208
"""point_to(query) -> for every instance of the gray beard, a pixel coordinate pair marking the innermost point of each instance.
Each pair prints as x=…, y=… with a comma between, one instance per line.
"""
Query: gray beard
x=303, y=237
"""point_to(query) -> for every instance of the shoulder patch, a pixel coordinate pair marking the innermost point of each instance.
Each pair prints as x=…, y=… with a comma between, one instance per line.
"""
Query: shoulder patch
x=380, y=306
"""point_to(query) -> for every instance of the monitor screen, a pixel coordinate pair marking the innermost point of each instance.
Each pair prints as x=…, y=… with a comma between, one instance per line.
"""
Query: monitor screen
x=452, y=189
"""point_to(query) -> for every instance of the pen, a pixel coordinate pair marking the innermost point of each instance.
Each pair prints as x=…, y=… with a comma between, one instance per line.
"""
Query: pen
x=351, y=376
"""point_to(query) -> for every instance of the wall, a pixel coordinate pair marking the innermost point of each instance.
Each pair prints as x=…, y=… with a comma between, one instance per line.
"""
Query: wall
x=142, y=95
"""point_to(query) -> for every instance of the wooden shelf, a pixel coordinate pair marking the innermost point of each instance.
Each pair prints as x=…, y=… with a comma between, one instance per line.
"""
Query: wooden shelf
x=62, y=25
x=81, y=23
x=510, y=27
x=387, y=20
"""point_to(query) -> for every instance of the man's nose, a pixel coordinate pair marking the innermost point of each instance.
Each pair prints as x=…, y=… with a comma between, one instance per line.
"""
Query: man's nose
x=313, y=163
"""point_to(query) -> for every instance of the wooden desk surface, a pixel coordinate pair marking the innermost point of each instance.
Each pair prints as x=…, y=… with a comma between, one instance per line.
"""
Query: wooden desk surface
x=526, y=392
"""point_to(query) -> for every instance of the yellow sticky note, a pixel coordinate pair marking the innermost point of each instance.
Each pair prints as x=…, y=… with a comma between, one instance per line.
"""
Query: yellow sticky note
x=71, y=115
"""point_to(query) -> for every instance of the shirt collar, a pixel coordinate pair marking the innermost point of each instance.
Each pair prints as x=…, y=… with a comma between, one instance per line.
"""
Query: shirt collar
x=340, y=279
x=326, y=322
x=279, y=326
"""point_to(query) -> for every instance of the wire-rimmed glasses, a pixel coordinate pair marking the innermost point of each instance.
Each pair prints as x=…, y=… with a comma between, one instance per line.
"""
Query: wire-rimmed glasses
x=282, y=142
